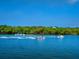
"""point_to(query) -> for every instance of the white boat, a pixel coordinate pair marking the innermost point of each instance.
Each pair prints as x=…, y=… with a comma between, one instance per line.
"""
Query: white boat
x=40, y=38
x=60, y=36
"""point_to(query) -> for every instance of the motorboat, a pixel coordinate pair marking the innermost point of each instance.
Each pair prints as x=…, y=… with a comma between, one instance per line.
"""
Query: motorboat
x=60, y=36
x=40, y=38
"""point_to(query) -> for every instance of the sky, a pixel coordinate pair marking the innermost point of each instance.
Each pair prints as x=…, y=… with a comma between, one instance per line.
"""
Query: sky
x=61, y=13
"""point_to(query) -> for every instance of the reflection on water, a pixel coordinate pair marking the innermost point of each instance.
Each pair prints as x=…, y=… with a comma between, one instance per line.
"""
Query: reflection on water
x=49, y=48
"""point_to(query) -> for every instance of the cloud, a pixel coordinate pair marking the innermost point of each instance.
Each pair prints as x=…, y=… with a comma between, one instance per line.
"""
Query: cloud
x=73, y=1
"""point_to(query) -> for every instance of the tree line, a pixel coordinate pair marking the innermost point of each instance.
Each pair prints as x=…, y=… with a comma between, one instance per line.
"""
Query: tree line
x=4, y=29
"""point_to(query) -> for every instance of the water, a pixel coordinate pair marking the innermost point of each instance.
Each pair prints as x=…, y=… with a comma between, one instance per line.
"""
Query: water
x=49, y=48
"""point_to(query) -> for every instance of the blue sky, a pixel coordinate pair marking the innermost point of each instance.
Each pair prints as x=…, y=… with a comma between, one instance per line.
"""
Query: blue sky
x=62, y=13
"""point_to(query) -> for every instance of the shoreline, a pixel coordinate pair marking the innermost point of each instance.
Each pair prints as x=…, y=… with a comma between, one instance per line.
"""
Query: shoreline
x=38, y=30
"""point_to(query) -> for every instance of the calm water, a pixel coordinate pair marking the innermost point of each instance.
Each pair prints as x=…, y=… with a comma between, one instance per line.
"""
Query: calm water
x=50, y=48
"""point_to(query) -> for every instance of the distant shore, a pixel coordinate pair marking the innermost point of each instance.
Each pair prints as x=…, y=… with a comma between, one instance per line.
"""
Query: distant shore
x=38, y=30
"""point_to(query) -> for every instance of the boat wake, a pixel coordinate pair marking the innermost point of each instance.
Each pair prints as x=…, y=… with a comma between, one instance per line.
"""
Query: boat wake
x=31, y=37
x=5, y=37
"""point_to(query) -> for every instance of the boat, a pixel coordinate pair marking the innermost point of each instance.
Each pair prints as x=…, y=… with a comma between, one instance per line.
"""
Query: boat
x=40, y=38
x=60, y=36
